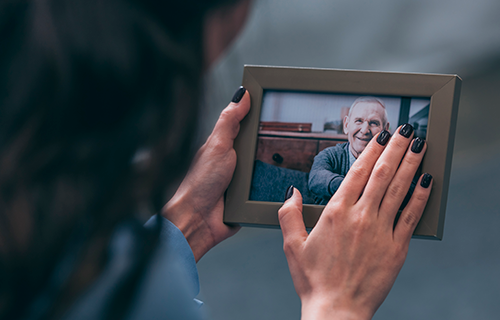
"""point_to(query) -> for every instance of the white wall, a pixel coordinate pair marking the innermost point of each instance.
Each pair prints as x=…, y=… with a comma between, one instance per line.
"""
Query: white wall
x=317, y=108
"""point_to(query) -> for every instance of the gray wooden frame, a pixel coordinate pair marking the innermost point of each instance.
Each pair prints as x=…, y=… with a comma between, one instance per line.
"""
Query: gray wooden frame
x=443, y=90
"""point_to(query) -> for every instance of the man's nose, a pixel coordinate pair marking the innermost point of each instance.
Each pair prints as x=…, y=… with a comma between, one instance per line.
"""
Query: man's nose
x=365, y=128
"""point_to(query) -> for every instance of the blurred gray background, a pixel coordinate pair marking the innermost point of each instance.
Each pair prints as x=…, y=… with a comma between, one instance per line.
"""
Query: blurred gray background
x=246, y=277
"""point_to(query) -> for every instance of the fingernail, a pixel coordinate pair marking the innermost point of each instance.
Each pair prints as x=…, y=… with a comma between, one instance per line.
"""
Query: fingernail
x=289, y=192
x=426, y=180
x=239, y=94
x=418, y=145
x=383, y=137
x=406, y=130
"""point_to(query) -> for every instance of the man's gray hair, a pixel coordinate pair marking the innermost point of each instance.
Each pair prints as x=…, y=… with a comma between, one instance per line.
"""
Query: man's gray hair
x=372, y=100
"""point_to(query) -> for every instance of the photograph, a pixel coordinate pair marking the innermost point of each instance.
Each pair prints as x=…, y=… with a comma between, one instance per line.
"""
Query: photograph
x=307, y=126
x=311, y=139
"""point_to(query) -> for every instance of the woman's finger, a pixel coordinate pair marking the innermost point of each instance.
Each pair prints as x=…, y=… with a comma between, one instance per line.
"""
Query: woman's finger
x=291, y=220
x=413, y=211
x=228, y=125
x=354, y=182
x=386, y=166
x=400, y=185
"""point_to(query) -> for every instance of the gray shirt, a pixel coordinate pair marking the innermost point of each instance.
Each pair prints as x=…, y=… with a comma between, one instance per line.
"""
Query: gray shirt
x=351, y=159
x=328, y=171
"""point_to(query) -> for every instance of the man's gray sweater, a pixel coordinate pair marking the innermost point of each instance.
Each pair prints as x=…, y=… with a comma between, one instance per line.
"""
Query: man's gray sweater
x=328, y=171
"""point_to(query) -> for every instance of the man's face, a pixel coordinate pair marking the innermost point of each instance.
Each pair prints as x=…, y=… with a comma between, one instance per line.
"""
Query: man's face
x=365, y=121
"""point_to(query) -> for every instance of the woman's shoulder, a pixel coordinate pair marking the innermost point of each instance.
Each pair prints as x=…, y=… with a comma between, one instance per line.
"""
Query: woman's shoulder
x=167, y=286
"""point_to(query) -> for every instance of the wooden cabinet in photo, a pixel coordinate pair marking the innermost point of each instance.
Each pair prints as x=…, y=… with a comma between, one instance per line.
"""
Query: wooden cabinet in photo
x=293, y=150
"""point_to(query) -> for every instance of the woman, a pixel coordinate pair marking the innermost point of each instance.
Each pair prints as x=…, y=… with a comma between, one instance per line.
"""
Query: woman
x=97, y=118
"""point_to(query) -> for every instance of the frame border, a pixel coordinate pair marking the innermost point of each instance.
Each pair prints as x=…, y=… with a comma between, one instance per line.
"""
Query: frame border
x=444, y=93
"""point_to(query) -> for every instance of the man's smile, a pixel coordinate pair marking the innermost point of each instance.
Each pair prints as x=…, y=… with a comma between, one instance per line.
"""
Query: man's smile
x=366, y=139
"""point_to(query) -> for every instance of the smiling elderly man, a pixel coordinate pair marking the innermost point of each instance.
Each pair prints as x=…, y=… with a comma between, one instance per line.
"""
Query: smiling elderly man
x=367, y=117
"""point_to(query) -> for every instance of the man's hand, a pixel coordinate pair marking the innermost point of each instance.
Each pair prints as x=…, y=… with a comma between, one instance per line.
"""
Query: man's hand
x=348, y=263
x=198, y=205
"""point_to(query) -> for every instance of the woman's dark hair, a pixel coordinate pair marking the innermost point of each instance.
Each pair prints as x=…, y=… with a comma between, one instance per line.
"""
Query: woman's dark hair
x=85, y=87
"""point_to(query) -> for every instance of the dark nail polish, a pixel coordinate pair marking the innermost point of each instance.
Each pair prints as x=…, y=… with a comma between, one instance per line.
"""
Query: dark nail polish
x=426, y=180
x=289, y=192
x=239, y=94
x=418, y=145
x=406, y=130
x=383, y=137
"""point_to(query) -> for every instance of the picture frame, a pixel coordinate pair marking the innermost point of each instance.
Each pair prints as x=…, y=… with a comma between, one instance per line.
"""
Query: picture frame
x=288, y=83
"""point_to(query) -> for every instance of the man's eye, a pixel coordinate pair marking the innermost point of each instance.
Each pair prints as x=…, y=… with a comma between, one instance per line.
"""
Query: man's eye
x=358, y=121
x=374, y=123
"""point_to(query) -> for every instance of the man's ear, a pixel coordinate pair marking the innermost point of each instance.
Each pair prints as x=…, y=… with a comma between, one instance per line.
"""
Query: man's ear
x=346, y=121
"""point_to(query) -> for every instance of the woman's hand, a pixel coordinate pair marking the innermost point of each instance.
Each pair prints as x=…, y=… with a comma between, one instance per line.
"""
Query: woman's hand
x=198, y=205
x=348, y=263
